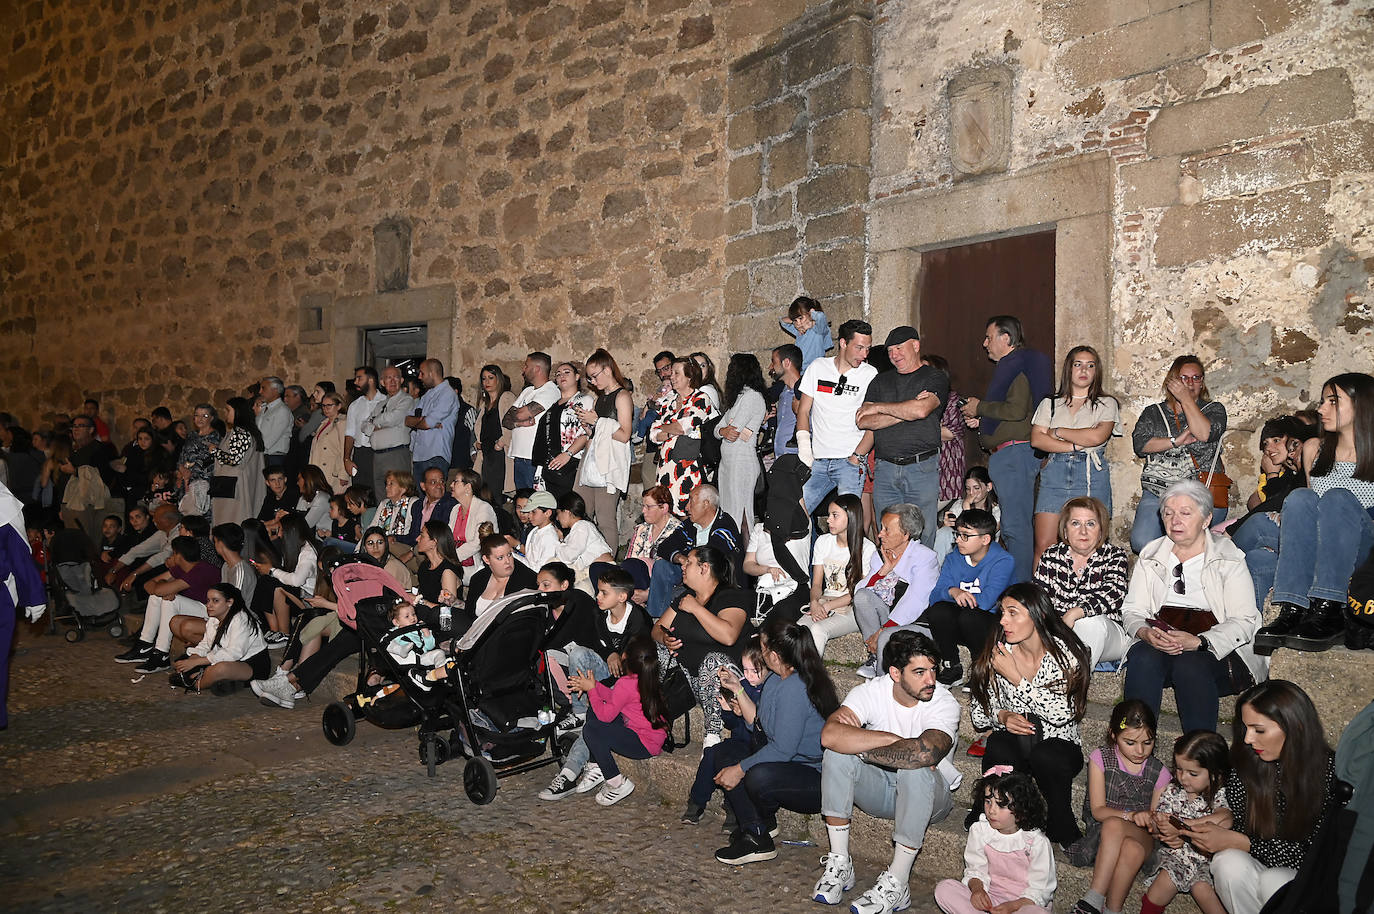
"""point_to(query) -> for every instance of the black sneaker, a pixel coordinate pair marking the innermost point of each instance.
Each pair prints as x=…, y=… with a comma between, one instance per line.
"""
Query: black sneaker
x=692, y=814
x=561, y=786
x=156, y=662
x=747, y=847
x=950, y=675
x=137, y=654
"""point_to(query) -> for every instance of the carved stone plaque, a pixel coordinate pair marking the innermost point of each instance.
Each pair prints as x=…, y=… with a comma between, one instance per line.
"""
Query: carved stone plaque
x=980, y=120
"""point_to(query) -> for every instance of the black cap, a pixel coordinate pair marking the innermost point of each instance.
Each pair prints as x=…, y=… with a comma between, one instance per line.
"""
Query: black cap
x=899, y=335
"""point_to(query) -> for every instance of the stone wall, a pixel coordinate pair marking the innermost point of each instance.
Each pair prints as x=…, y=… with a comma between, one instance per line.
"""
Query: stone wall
x=193, y=186
x=1238, y=138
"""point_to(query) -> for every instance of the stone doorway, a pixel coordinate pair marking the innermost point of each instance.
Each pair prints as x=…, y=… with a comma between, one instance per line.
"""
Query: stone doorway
x=404, y=346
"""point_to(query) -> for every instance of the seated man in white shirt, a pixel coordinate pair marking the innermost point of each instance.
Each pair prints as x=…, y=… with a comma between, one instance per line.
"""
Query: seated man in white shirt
x=888, y=750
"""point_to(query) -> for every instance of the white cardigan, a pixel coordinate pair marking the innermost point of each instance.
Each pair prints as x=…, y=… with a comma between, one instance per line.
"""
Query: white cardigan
x=241, y=641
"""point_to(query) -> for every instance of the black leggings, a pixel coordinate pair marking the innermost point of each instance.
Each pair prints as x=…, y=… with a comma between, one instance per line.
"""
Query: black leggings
x=1053, y=763
x=952, y=625
x=311, y=671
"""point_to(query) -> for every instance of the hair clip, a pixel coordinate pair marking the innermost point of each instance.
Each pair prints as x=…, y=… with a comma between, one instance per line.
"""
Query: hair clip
x=997, y=771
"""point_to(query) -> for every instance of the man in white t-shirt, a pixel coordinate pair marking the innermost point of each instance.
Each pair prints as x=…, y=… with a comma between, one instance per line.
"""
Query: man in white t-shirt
x=831, y=392
x=888, y=750
x=539, y=394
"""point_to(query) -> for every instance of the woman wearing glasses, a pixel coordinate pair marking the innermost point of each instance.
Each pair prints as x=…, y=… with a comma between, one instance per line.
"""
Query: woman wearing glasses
x=327, y=447
x=678, y=431
x=1178, y=438
x=1191, y=609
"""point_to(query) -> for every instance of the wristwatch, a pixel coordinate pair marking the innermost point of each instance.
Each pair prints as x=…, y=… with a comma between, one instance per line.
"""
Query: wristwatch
x=1205, y=645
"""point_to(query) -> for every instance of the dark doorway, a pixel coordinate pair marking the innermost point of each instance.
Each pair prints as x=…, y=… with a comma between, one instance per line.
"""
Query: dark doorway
x=961, y=287
x=402, y=346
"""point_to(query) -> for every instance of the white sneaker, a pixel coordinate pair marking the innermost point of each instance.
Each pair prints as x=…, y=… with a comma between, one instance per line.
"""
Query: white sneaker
x=869, y=670
x=591, y=777
x=837, y=879
x=887, y=895
x=609, y=796
x=709, y=740
x=277, y=690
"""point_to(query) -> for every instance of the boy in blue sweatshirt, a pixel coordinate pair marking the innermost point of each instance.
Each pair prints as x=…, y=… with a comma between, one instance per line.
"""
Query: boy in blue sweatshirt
x=807, y=322
x=963, y=603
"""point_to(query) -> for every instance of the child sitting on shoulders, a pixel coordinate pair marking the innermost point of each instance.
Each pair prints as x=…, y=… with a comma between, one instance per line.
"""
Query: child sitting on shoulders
x=1201, y=764
x=1125, y=782
x=1008, y=862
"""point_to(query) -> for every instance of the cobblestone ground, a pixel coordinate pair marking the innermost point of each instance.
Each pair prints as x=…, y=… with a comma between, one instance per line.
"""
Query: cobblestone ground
x=129, y=796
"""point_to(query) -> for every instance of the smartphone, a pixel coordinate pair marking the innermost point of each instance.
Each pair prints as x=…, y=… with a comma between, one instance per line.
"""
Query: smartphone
x=727, y=694
x=1176, y=822
x=1162, y=626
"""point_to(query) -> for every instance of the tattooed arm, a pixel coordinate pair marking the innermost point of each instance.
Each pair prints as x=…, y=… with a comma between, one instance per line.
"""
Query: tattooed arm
x=925, y=751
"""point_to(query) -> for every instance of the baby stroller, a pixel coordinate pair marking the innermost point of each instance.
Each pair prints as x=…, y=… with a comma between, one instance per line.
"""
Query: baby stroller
x=79, y=600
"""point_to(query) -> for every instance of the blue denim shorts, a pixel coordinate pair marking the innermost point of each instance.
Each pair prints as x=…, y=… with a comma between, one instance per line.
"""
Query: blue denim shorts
x=1066, y=476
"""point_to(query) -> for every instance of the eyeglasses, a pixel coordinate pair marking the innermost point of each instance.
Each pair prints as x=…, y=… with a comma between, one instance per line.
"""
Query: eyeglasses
x=967, y=535
x=1190, y=378
x=651, y=504
x=1179, y=586
x=370, y=543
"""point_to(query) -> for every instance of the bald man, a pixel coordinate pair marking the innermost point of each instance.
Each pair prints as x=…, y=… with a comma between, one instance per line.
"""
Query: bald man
x=431, y=429
x=387, y=430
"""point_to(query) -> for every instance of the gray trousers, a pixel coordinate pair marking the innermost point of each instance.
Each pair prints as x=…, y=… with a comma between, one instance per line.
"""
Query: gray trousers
x=912, y=799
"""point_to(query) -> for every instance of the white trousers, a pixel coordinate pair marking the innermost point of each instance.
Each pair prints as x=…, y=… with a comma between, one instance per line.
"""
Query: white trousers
x=1243, y=883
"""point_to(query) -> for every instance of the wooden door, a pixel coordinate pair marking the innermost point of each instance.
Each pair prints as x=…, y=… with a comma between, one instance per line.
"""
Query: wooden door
x=961, y=287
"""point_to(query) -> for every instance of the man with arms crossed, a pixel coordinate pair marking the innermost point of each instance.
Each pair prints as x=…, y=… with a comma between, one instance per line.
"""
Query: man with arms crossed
x=831, y=392
x=887, y=750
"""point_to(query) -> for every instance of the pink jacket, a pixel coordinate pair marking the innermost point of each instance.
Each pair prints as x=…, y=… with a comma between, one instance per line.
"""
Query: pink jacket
x=623, y=698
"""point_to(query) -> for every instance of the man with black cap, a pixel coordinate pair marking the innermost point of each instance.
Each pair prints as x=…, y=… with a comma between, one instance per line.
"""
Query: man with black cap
x=902, y=408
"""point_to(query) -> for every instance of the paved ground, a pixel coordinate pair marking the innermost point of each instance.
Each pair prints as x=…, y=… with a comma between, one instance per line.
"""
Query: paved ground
x=129, y=796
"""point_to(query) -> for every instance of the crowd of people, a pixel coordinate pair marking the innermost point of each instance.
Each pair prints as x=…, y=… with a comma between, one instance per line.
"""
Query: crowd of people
x=775, y=517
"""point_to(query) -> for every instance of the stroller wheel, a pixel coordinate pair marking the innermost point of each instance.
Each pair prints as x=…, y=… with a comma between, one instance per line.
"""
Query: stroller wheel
x=74, y=635
x=116, y=630
x=338, y=723
x=429, y=749
x=479, y=781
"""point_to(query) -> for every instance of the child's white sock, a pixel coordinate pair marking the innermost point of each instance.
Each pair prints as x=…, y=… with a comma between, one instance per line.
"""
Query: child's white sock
x=839, y=839
x=569, y=774
x=902, y=859
x=1095, y=898
x=615, y=782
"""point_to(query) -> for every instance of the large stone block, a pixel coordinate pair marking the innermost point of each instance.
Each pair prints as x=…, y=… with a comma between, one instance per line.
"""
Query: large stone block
x=1303, y=101
x=852, y=88
x=1254, y=170
x=1294, y=218
x=754, y=85
x=1237, y=22
x=833, y=191
x=737, y=292
x=838, y=271
x=745, y=176
x=1070, y=19
x=754, y=331
x=1138, y=47
x=787, y=161
x=847, y=223
x=1343, y=147
x=774, y=285
x=754, y=125
x=847, y=43
x=842, y=140
x=760, y=246
x=1151, y=183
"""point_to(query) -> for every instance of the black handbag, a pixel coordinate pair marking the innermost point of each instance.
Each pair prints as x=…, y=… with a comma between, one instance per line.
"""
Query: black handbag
x=680, y=699
x=223, y=486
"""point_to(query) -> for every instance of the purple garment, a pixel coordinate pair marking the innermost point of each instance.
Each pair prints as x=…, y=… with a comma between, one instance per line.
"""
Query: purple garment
x=15, y=560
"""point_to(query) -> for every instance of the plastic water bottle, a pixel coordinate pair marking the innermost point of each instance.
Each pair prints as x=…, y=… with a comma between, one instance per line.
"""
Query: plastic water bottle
x=445, y=618
x=545, y=716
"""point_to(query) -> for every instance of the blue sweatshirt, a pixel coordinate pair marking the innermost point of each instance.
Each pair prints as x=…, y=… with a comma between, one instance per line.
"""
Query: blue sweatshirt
x=792, y=723
x=814, y=342
x=986, y=580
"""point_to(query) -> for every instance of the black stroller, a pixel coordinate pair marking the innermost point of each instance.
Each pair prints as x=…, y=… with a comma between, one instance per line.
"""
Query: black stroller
x=493, y=708
x=79, y=600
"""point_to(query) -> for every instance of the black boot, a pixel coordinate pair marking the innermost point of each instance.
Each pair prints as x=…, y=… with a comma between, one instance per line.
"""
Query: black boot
x=1358, y=636
x=1323, y=628
x=1275, y=635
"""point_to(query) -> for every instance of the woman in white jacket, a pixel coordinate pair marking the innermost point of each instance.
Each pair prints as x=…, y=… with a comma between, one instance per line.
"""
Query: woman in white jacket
x=605, y=473
x=1191, y=608
x=582, y=542
x=232, y=649
x=467, y=518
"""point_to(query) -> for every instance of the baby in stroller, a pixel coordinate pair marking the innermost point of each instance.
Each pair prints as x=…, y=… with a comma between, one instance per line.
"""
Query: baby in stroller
x=413, y=648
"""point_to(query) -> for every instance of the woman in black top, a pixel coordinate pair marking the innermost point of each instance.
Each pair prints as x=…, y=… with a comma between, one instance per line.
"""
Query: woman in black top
x=495, y=398
x=1282, y=773
x=706, y=628
x=602, y=487
x=439, y=576
x=560, y=436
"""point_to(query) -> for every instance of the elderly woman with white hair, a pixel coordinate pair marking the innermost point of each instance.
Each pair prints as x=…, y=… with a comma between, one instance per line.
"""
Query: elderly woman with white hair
x=1191, y=613
x=896, y=587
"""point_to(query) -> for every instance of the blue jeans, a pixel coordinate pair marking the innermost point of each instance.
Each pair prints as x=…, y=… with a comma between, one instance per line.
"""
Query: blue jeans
x=524, y=473
x=913, y=483
x=1258, y=538
x=664, y=581
x=913, y=798
x=585, y=660
x=420, y=466
x=829, y=473
x=1066, y=476
x=1013, y=470
x=1322, y=540
x=641, y=427
x=1198, y=680
x=714, y=760
x=770, y=786
x=1147, y=526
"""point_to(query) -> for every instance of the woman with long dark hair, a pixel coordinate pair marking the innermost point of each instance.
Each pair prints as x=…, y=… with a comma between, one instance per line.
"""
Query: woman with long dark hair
x=738, y=430
x=560, y=437
x=296, y=572
x=628, y=718
x=493, y=399
x=1073, y=427
x=467, y=519
x=314, y=501
x=1030, y=687
x=839, y=562
x=678, y=433
x=237, y=488
x=1282, y=774
x=785, y=771
x=604, y=476
x=1325, y=530
x=232, y=649
x=1179, y=439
